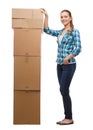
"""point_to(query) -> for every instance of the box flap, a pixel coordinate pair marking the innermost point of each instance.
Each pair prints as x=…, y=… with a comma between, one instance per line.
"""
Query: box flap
x=27, y=23
x=22, y=13
x=27, y=13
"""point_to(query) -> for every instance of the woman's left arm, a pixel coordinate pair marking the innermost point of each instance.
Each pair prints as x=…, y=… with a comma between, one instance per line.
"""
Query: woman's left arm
x=76, y=47
x=76, y=43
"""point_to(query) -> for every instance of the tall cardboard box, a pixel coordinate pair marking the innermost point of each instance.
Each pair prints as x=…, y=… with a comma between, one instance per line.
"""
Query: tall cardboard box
x=27, y=25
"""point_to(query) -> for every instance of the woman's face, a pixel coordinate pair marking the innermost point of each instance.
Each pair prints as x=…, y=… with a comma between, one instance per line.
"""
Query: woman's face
x=65, y=18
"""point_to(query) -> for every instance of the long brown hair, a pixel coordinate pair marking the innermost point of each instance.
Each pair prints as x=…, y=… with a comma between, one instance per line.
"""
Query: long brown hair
x=71, y=22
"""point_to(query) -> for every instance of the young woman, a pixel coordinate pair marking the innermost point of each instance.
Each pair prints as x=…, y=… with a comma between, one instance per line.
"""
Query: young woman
x=69, y=46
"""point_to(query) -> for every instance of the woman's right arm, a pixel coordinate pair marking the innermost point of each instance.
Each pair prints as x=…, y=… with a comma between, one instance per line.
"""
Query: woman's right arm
x=46, y=26
x=46, y=18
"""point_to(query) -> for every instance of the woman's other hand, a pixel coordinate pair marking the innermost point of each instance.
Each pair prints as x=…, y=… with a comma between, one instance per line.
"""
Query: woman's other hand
x=65, y=61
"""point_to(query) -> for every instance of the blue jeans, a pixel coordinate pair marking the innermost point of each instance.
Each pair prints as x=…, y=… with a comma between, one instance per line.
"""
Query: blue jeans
x=65, y=74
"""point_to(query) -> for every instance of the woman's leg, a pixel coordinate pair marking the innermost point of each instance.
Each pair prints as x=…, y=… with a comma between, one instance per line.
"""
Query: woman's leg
x=66, y=77
x=65, y=74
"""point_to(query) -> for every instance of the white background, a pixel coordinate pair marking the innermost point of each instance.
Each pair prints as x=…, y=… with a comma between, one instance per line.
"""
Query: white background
x=51, y=102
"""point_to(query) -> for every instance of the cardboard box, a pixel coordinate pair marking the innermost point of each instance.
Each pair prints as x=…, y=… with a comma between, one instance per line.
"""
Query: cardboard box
x=26, y=107
x=27, y=18
x=27, y=42
x=26, y=73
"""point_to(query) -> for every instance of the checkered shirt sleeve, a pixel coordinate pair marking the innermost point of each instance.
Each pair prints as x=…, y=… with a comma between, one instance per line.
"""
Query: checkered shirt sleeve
x=51, y=31
x=77, y=43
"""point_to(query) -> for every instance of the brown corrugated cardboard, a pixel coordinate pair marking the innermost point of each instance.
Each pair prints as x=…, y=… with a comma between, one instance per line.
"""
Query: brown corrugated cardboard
x=27, y=42
x=27, y=13
x=26, y=73
x=26, y=107
x=27, y=24
x=27, y=18
x=21, y=13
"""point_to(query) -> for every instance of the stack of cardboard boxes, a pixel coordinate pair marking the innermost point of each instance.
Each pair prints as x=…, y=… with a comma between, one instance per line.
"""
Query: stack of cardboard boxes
x=27, y=25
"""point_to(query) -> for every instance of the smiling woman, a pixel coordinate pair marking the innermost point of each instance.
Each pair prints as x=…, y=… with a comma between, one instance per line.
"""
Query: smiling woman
x=69, y=46
x=66, y=19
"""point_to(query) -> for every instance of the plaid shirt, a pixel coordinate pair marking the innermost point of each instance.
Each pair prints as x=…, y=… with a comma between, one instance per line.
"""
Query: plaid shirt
x=70, y=44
